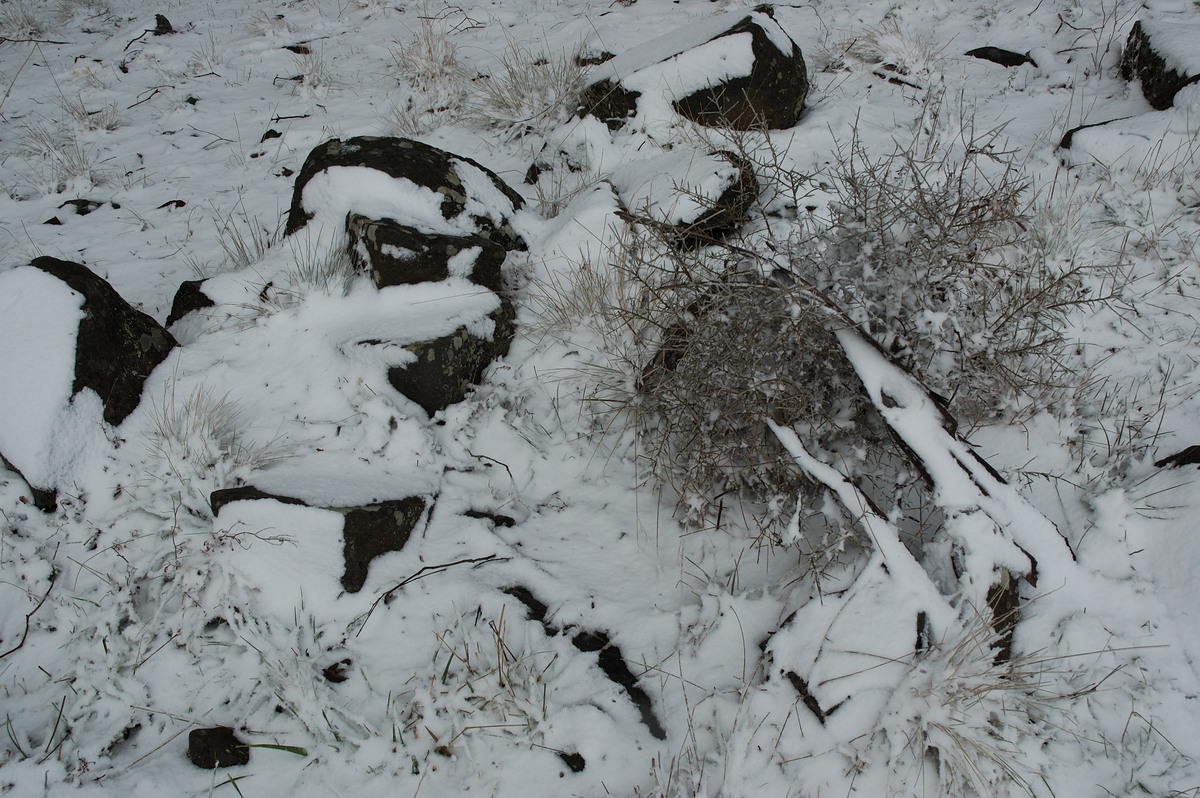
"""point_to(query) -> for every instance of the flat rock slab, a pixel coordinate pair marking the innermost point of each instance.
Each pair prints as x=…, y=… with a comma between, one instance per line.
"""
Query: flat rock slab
x=217, y=747
x=367, y=532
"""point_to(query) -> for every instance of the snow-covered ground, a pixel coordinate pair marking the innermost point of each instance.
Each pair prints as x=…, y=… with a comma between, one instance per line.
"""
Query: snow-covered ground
x=557, y=624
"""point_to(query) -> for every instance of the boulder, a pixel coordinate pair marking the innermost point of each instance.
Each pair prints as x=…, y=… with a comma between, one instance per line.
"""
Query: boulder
x=696, y=198
x=737, y=70
x=65, y=330
x=371, y=531
x=998, y=55
x=398, y=254
x=117, y=346
x=433, y=216
x=1162, y=53
x=472, y=198
x=446, y=367
x=189, y=297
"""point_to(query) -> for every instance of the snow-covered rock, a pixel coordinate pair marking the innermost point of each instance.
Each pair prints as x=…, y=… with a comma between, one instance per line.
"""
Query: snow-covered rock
x=83, y=354
x=417, y=184
x=1163, y=53
x=701, y=196
x=735, y=70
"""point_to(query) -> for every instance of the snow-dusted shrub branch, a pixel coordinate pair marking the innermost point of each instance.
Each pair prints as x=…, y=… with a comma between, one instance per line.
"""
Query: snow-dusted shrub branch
x=929, y=248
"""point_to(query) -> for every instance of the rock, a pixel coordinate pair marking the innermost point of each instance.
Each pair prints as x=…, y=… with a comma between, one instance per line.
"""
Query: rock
x=1188, y=456
x=162, y=26
x=997, y=55
x=1162, y=53
x=472, y=197
x=219, y=498
x=189, y=297
x=117, y=346
x=217, y=747
x=698, y=198
x=397, y=254
x=1069, y=137
x=375, y=530
x=367, y=531
x=446, y=368
x=753, y=76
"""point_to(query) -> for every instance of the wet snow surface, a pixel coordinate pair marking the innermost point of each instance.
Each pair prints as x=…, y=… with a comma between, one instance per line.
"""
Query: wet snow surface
x=551, y=628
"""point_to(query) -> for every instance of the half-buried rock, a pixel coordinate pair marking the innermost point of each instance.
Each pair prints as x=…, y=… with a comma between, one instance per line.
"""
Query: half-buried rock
x=695, y=198
x=414, y=214
x=737, y=70
x=406, y=180
x=1163, y=53
x=76, y=354
x=307, y=551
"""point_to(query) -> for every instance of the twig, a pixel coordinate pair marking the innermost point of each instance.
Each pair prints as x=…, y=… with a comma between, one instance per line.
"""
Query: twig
x=28, y=616
x=420, y=574
x=30, y=41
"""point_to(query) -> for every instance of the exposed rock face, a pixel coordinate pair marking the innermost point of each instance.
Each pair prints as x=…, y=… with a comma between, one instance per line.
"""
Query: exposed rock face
x=472, y=196
x=375, y=530
x=768, y=90
x=998, y=55
x=189, y=297
x=396, y=254
x=446, y=367
x=477, y=207
x=1162, y=54
x=117, y=346
x=367, y=531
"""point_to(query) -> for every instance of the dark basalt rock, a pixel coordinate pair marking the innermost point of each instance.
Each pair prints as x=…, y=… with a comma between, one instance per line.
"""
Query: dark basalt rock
x=446, y=367
x=44, y=499
x=117, y=346
x=609, y=658
x=189, y=297
x=997, y=55
x=1069, y=137
x=217, y=747
x=1146, y=58
x=375, y=530
x=367, y=531
x=219, y=498
x=397, y=254
x=771, y=96
x=419, y=163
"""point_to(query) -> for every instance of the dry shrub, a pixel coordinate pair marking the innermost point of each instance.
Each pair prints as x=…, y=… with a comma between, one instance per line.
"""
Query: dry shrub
x=928, y=247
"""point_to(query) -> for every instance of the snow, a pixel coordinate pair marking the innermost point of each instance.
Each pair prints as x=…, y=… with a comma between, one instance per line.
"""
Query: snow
x=675, y=188
x=1174, y=37
x=147, y=617
x=44, y=432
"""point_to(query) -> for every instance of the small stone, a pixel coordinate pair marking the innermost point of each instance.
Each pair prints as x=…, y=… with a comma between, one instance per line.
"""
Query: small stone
x=217, y=747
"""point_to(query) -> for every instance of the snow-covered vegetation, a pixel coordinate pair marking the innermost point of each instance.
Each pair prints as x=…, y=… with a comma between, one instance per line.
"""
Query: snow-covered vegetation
x=857, y=498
